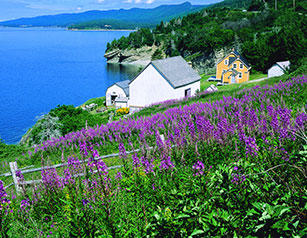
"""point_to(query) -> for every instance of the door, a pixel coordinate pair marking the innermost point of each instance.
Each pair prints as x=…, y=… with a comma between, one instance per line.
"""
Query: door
x=233, y=79
x=187, y=92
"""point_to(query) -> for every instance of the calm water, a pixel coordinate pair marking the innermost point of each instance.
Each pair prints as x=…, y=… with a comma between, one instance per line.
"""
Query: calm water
x=41, y=68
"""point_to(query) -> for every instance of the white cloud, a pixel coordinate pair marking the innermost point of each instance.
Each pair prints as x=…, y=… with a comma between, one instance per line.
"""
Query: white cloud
x=150, y=1
x=136, y=1
x=100, y=1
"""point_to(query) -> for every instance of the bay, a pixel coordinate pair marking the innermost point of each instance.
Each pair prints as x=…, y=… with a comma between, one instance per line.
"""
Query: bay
x=41, y=68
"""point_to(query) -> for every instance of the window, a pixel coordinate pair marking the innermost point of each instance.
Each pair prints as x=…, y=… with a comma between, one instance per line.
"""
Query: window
x=226, y=62
x=240, y=75
x=187, y=92
x=234, y=66
x=241, y=66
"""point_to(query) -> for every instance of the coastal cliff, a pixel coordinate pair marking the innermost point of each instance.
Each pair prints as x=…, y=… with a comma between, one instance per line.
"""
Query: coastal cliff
x=202, y=63
x=140, y=56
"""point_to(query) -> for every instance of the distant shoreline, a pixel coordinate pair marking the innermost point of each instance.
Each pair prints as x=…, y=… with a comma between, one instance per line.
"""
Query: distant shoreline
x=63, y=28
x=136, y=63
x=73, y=29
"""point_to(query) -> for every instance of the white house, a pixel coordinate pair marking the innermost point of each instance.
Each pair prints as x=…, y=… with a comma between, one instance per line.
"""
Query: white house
x=161, y=80
x=278, y=69
x=118, y=93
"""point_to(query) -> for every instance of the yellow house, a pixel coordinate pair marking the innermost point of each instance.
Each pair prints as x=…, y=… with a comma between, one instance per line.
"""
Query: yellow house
x=233, y=68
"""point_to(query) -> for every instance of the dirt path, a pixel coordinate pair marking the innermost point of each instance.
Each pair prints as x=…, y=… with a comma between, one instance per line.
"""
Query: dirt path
x=256, y=80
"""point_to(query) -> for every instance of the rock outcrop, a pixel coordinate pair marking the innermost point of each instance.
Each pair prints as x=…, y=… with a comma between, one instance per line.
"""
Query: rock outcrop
x=130, y=55
x=202, y=63
x=207, y=63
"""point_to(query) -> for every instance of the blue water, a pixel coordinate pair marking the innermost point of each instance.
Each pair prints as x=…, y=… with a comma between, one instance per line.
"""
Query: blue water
x=41, y=68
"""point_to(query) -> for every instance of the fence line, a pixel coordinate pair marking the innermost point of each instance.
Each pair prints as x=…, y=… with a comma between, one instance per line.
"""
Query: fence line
x=25, y=170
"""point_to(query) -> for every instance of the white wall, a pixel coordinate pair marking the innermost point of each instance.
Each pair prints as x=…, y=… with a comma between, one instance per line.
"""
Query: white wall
x=121, y=105
x=150, y=87
x=275, y=71
x=114, y=90
x=193, y=86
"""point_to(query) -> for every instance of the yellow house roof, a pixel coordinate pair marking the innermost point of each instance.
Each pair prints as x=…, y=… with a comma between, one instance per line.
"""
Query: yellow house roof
x=237, y=56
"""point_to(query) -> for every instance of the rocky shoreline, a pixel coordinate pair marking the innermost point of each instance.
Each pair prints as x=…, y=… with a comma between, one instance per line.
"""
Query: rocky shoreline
x=142, y=56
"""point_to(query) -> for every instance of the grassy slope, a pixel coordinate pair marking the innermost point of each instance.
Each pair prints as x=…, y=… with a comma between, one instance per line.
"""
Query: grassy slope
x=10, y=153
x=224, y=202
x=227, y=90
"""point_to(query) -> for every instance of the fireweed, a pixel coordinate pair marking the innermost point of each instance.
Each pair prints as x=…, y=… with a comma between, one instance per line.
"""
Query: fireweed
x=252, y=115
x=4, y=201
x=256, y=122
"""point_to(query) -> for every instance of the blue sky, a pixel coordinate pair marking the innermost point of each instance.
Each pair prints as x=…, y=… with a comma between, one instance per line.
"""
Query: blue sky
x=12, y=9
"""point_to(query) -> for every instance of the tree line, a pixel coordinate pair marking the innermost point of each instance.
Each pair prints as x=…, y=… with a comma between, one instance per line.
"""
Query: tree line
x=264, y=35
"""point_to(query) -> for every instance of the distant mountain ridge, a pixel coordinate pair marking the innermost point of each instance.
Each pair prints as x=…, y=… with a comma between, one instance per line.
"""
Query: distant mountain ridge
x=136, y=16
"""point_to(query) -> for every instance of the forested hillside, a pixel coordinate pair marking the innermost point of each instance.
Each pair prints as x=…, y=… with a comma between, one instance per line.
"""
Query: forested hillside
x=136, y=18
x=262, y=34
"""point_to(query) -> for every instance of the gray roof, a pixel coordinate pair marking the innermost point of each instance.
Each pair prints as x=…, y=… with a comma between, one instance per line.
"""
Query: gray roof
x=231, y=60
x=176, y=71
x=283, y=65
x=124, y=85
x=242, y=58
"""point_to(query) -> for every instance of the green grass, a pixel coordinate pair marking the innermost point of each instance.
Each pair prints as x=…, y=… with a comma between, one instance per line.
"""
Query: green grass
x=99, y=101
x=257, y=76
x=204, y=84
x=226, y=90
x=10, y=153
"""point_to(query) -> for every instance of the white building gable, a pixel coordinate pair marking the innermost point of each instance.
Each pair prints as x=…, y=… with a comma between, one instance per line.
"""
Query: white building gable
x=162, y=80
x=149, y=87
x=112, y=93
x=278, y=69
x=119, y=90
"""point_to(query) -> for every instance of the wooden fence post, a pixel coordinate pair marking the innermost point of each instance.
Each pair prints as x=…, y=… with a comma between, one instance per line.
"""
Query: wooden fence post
x=14, y=168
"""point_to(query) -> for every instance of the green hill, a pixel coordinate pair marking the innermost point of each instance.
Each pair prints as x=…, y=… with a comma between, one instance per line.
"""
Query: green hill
x=263, y=36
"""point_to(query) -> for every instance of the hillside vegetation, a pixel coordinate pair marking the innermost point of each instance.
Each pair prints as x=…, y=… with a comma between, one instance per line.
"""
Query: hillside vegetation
x=231, y=167
x=263, y=35
x=232, y=163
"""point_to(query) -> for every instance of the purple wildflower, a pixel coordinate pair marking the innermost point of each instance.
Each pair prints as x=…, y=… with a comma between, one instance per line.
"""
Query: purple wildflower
x=136, y=161
x=4, y=201
x=24, y=204
x=198, y=168
x=100, y=165
x=122, y=151
x=251, y=146
x=238, y=178
x=51, y=179
x=148, y=166
x=166, y=164
x=19, y=175
x=119, y=175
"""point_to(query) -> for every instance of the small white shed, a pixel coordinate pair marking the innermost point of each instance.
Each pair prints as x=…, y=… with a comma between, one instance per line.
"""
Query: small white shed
x=278, y=69
x=161, y=80
x=118, y=91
